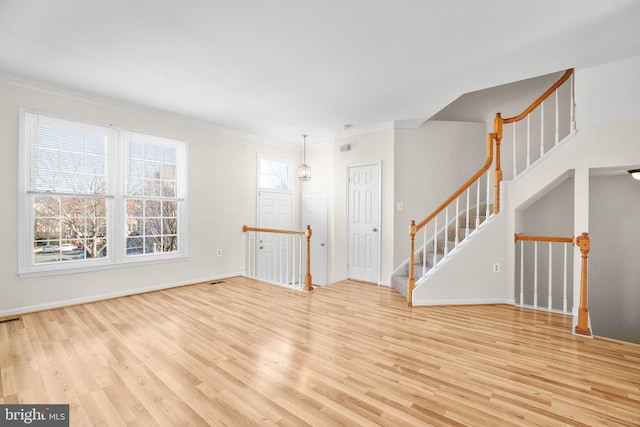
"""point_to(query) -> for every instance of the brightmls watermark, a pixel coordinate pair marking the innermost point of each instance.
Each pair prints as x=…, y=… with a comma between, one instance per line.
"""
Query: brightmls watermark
x=34, y=415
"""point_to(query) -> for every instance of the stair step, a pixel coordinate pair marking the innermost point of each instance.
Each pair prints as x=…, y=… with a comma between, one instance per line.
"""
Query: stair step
x=400, y=284
x=462, y=221
x=482, y=210
x=460, y=228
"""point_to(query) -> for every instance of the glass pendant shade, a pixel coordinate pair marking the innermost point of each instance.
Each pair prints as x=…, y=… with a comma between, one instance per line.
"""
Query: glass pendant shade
x=304, y=172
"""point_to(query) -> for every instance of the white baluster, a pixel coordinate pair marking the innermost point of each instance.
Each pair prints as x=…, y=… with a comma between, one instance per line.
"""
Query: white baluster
x=435, y=242
x=284, y=264
x=542, y=129
x=572, y=105
x=515, y=165
x=291, y=243
x=535, y=274
x=248, y=264
x=478, y=203
x=549, y=304
x=457, y=218
x=521, y=272
x=557, y=118
x=424, y=251
x=446, y=232
x=300, y=258
x=292, y=271
x=528, y=141
x=270, y=267
x=279, y=260
x=466, y=215
x=278, y=265
x=488, y=194
x=564, y=285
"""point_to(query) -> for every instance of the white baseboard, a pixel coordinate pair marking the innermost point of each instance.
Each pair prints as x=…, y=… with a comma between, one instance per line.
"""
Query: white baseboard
x=464, y=302
x=110, y=295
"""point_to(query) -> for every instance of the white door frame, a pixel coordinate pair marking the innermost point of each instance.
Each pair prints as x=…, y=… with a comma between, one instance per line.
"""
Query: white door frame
x=379, y=209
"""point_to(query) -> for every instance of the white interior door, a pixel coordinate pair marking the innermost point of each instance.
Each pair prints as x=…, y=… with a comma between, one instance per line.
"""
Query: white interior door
x=364, y=222
x=274, y=211
x=314, y=213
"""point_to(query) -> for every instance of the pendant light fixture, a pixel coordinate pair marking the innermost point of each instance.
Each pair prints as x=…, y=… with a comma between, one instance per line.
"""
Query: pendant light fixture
x=304, y=170
x=635, y=173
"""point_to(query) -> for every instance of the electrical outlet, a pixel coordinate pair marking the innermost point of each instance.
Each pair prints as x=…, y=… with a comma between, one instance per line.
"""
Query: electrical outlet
x=219, y=252
x=496, y=267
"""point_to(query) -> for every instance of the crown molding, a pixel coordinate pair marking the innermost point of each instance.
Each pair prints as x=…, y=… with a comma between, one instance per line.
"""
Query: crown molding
x=38, y=85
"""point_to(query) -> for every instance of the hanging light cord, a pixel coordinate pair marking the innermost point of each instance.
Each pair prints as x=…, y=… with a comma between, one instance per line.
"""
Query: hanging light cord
x=304, y=152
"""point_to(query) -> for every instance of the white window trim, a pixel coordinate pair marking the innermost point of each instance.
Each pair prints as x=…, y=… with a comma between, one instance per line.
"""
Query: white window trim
x=116, y=214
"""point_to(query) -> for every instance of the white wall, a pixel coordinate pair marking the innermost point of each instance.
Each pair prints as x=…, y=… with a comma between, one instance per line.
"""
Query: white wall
x=468, y=277
x=606, y=139
x=423, y=158
x=608, y=93
x=509, y=100
x=222, y=185
x=614, y=270
x=365, y=148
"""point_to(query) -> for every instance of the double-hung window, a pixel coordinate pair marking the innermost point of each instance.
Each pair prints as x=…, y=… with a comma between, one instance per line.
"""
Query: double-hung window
x=97, y=196
x=152, y=194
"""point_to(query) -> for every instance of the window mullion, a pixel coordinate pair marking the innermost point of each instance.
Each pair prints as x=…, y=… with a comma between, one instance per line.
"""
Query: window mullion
x=74, y=195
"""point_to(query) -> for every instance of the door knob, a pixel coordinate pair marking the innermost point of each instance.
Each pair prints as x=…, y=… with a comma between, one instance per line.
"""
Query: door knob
x=375, y=229
x=321, y=244
x=261, y=247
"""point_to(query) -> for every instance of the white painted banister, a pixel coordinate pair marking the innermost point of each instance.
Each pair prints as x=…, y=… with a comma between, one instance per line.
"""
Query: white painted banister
x=276, y=256
x=563, y=105
x=485, y=198
x=529, y=266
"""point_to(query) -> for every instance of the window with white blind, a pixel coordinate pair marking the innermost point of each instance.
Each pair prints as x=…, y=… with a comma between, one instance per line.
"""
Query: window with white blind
x=97, y=196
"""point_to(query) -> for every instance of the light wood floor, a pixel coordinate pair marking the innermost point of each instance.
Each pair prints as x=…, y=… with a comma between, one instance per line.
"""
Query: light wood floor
x=245, y=353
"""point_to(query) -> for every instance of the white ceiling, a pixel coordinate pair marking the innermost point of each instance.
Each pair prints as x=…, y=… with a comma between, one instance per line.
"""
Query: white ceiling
x=274, y=69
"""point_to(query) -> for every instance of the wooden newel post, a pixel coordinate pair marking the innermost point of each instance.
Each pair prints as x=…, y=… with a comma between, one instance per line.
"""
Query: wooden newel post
x=307, y=277
x=497, y=136
x=582, y=327
x=412, y=280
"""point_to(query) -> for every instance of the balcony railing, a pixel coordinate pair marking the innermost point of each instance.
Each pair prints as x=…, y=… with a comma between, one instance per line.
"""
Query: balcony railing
x=277, y=256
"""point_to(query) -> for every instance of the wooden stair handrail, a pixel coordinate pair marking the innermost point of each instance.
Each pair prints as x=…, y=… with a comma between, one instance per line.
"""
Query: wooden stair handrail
x=498, y=123
x=413, y=228
x=496, y=136
x=463, y=187
x=584, y=244
x=273, y=230
x=308, y=286
x=541, y=99
x=550, y=239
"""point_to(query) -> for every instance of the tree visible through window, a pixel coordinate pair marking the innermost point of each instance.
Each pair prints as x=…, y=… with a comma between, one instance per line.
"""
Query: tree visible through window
x=151, y=194
x=273, y=174
x=68, y=190
x=77, y=188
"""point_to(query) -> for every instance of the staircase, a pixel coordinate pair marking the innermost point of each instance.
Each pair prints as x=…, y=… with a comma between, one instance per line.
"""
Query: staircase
x=445, y=231
x=424, y=260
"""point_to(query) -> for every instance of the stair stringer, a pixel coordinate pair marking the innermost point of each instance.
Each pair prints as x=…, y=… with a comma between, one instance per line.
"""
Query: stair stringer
x=468, y=277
